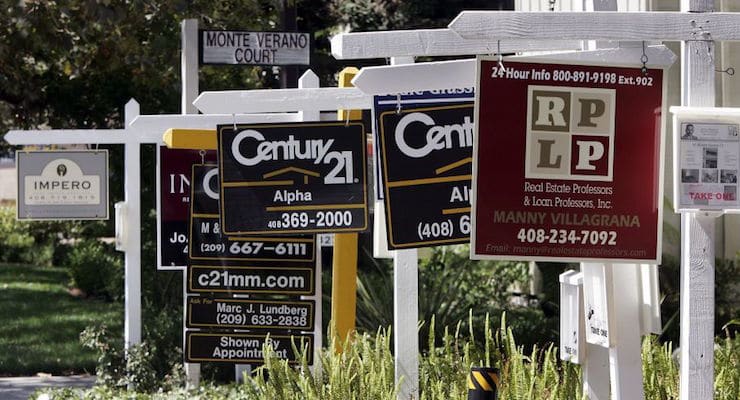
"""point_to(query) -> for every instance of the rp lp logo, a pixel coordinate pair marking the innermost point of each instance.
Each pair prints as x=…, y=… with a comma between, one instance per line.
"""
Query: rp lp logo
x=570, y=133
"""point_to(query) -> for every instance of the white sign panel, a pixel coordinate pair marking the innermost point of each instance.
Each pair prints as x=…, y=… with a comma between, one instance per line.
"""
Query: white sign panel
x=598, y=304
x=62, y=184
x=254, y=48
x=572, y=327
x=709, y=160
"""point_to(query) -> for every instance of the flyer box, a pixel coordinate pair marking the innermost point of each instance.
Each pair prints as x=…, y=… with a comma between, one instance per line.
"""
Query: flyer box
x=706, y=160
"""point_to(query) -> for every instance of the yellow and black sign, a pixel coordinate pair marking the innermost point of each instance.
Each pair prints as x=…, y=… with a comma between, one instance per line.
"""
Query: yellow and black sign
x=292, y=178
x=483, y=383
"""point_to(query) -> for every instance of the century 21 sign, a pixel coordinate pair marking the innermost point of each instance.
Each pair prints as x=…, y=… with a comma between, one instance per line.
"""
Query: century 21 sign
x=292, y=178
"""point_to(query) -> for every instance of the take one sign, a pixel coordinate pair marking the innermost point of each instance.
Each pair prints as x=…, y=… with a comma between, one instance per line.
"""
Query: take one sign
x=567, y=162
x=254, y=48
x=426, y=153
x=293, y=178
x=62, y=185
x=707, y=155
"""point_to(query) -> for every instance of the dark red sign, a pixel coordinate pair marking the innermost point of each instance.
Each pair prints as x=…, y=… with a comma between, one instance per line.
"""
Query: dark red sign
x=173, y=204
x=567, y=162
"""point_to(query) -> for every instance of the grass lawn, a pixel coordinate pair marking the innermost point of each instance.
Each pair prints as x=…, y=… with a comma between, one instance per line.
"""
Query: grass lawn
x=40, y=322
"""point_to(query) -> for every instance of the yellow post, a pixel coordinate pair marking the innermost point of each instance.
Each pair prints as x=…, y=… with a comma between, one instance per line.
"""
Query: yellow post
x=344, y=264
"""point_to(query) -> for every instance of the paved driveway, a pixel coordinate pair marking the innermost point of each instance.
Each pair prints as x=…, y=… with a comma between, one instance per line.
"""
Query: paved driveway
x=21, y=388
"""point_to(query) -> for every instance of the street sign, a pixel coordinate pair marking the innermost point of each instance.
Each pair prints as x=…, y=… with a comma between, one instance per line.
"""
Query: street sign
x=253, y=48
x=207, y=242
x=205, y=312
x=173, y=204
x=426, y=147
x=295, y=178
x=577, y=151
x=62, y=185
x=251, y=280
x=244, y=348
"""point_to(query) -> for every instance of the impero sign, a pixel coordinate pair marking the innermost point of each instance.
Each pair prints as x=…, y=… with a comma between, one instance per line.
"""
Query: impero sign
x=293, y=178
x=59, y=185
x=254, y=48
x=567, y=163
x=426, y=153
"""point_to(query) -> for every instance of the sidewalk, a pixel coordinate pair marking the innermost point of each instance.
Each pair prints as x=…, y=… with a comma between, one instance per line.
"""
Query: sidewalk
x=21, y=388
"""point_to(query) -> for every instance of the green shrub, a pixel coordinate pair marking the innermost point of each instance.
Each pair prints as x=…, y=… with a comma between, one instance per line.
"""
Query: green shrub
x=39, y=242
x=365, y=371
x=95, y=269
x=450, y=284
x=17, y=243
x=137, y=370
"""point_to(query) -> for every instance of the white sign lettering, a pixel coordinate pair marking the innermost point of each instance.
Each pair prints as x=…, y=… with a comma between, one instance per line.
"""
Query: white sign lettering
x=437, y=137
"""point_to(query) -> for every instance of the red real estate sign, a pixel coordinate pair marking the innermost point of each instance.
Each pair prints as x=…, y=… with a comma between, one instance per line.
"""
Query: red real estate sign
x=567, y=162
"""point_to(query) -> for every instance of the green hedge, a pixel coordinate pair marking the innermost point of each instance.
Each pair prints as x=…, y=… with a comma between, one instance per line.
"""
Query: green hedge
x=95, y=268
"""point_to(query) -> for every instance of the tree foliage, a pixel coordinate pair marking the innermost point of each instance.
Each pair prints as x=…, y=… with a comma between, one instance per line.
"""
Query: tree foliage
x=75, y=63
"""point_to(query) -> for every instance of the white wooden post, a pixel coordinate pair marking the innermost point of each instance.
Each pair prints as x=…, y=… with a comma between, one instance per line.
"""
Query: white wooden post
x=189, y=77
x=625, y=362
x=406, y=311
x=405, y=322
x=132, y=258
x=596, y=372
x=594, y=359
x=310, y=80
x=189, y=65
x=697, y=230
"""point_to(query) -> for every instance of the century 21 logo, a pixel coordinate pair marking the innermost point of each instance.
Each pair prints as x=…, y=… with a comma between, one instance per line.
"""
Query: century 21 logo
x=257, y=149
x=570, y=133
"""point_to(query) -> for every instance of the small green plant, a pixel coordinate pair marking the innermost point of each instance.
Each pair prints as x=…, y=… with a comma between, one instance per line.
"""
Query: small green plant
x=136, y=370
x=17, y=242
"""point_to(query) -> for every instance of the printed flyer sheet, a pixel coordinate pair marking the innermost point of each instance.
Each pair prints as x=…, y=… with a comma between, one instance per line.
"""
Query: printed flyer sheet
x=709, y=153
